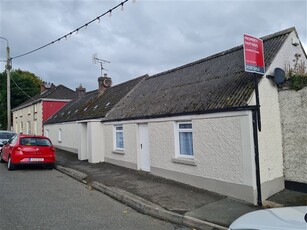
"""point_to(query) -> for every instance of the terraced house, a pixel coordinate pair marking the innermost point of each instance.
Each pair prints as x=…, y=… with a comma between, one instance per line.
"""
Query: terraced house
x=28, y=117
x=194, y=124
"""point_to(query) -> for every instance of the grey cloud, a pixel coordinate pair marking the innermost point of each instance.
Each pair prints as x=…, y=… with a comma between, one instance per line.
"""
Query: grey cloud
x=147, y=37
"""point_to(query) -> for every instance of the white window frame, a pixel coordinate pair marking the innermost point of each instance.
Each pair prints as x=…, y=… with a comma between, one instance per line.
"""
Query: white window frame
x=60, y=135
x=178, y=130
x=28, y=127
x=115, y=131
x=21, y=127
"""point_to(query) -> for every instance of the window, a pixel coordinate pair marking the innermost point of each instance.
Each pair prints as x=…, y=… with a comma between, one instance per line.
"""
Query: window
x=21, y=127
x=60, y=135
x=31, y=141
x=35, y=127
x=119, y=137
x=185, y=140
x=28, y=127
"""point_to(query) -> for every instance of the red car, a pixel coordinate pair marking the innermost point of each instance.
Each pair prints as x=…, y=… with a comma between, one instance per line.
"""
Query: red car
x=28, y=149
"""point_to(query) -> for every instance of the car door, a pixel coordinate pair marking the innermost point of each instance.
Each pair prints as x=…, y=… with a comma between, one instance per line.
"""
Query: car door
x=7, y=148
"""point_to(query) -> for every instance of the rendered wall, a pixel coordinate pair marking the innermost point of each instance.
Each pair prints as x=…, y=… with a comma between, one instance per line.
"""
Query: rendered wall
x=51, y=107
x=31, y=114
x=95, y=142
x=270, y=137
x=223, y=152
x=70, y=135
x=127, y=158
x=293, y=106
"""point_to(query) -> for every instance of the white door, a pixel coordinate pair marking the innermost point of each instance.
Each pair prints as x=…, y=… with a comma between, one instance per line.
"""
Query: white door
x=144, y=147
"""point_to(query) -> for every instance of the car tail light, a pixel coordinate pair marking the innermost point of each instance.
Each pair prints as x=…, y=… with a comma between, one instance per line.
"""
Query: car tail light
x=18, y=150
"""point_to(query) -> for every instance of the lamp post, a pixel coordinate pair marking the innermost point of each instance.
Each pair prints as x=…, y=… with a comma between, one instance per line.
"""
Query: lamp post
x=8, y=67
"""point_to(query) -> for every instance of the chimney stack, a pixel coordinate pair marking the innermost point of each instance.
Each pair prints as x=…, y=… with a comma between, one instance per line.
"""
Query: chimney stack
x=104, y=83
x=80, y=91
x=45, y=86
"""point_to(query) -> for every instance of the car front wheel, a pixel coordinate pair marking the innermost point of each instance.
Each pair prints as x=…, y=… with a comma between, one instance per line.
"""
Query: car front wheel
x=10, y=165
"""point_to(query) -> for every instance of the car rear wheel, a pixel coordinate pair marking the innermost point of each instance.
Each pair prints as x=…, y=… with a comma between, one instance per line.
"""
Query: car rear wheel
x=10, y=165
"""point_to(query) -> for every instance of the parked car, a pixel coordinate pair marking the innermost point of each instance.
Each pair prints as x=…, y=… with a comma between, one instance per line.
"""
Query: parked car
x=28, y=150
x=294, y=218
x=5, y=136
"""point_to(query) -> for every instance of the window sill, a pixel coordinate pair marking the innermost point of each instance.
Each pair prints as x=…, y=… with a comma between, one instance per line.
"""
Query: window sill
x=119, y=152
x=184, y=161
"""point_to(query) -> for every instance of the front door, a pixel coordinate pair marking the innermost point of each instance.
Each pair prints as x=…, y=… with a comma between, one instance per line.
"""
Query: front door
x=144, y=148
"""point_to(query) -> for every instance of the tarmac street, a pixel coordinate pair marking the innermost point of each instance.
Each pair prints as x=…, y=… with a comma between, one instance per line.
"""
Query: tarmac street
x=166, y=199
x=37, y=198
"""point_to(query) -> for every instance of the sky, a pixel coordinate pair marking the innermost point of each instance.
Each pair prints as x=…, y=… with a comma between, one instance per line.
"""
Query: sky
x=146, y=37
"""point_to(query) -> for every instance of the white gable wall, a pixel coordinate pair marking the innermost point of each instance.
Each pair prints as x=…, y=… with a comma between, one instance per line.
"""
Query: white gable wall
x=70, y=135
x=270, y=137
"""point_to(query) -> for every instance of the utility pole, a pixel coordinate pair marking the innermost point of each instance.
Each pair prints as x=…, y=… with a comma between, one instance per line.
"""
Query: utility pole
x=8, y=68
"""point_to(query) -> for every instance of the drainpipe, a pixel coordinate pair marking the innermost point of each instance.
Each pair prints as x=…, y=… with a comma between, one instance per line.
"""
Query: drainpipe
x=257, y=164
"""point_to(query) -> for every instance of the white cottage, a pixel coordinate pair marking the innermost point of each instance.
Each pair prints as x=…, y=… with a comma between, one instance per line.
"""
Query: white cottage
x=77, y=127
x=195, y=124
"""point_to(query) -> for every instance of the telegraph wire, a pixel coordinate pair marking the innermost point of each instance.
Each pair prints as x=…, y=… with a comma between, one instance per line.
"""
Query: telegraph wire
x=98, y=18
x=21, y=88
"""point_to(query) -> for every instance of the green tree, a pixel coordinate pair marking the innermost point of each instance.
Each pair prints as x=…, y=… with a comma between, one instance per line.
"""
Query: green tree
x=24, y=85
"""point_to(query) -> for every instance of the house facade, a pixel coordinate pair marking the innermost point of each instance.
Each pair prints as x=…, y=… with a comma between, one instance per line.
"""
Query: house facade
x=29, y=117
x=196, y=124
x=77, y=127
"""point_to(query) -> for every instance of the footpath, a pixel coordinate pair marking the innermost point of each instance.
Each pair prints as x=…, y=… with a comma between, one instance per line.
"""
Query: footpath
x=166, y=199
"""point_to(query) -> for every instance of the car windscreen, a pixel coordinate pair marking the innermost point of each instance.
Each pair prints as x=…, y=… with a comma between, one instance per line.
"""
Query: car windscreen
x=33, y=141
x=6, y=136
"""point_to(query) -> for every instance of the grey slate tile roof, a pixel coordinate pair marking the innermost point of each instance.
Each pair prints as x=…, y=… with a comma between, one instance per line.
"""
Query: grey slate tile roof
x=94, y=105
x=213, y=83
x=59, y=92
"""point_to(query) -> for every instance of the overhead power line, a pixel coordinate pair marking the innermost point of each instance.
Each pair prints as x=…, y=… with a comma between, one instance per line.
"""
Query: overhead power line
x=98, y=18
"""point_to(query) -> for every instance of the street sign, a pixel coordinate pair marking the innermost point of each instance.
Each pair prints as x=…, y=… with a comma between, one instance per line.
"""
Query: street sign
x=253, y=55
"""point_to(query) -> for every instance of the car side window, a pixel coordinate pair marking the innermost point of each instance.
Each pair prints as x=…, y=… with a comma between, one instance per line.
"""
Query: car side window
x=13, y=140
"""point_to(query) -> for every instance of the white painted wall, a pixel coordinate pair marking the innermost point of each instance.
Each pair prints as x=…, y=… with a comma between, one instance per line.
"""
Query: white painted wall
x=71, y=137
x=129, y=155
x=220, y=149
x=95, y=142
x=270, y=137
x=223, y=150
x=32, y=114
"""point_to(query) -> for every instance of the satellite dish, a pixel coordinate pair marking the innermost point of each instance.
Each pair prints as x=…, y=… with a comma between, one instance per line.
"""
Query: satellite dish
x=279, y=76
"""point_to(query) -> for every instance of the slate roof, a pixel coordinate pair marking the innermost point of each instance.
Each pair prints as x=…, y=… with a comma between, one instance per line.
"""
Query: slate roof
x=94, y=105
x=213, y=83
x=59, y=92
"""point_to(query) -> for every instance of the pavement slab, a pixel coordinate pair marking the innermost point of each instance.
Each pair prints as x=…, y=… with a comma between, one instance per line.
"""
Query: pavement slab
x=222, y=212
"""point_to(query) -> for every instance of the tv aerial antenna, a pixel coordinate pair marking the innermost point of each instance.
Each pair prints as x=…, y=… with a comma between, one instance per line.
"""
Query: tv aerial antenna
x=101, y=61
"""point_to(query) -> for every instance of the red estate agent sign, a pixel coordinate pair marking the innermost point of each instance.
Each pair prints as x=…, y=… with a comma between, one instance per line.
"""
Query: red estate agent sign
x=253, y=54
